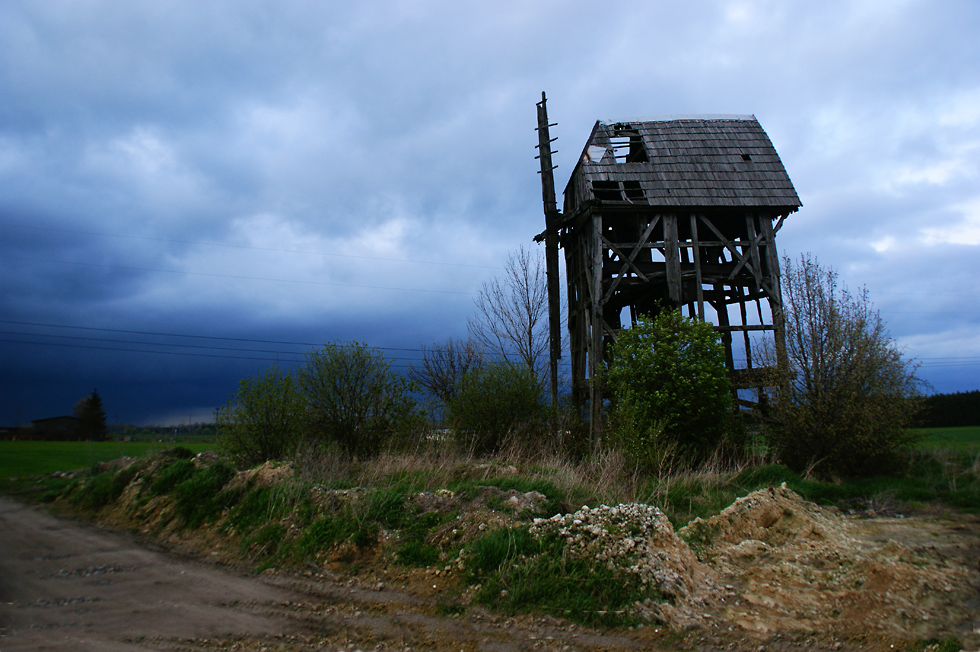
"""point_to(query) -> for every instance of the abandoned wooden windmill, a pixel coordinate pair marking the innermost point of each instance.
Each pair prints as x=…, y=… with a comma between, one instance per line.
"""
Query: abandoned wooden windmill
x=675, y=211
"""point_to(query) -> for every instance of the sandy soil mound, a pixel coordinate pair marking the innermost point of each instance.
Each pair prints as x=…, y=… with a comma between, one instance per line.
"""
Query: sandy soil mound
x=784, y=564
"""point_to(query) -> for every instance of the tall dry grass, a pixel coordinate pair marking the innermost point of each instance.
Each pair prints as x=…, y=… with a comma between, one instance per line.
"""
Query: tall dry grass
x=605, y=477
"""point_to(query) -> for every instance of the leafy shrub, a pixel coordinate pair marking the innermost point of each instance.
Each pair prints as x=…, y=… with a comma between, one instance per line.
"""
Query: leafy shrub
x=263, y=420
x=354, y=399
x=492, y=401
x=848, y=397
x=670, y=389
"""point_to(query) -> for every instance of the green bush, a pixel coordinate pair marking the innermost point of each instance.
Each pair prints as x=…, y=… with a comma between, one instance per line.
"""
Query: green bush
x=354, y=400
x=493, y=401
x=263, y=420
x=670, y=389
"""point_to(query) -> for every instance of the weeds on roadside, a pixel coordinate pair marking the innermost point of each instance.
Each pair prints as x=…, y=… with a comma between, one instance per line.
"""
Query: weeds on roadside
x=517, y=572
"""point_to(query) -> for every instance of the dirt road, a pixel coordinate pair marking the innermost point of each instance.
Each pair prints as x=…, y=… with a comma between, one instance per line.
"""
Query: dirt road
x=65, y=585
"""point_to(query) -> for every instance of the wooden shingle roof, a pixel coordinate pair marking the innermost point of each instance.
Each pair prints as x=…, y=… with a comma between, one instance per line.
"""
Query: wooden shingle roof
x=682, y=161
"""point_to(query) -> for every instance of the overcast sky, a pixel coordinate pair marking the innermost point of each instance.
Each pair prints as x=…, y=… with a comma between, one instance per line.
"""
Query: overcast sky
x=172, y=173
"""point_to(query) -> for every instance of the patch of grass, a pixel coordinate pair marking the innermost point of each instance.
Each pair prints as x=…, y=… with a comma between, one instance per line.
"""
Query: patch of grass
x=199, y=498
x=517, y=572
x=497, y=548
x=254, y=509
x=962, y=439
x=101, y=489
x=416, y=553
x=388, y=507
x=31, y=458
x=414, y=549
x=949, y=644
x=269, y=545
x=171, y=475
x=324, y=533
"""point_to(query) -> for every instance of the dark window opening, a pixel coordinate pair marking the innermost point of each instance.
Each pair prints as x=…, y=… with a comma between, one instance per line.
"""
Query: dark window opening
x=630, y=191
x=607, y=191
x=633, y=191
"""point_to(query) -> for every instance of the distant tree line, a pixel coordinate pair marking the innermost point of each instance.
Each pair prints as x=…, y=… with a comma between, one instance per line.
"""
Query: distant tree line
x=951, y=410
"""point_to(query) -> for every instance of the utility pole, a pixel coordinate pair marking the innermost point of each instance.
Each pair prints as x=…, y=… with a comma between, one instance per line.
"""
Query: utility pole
x=551, y=216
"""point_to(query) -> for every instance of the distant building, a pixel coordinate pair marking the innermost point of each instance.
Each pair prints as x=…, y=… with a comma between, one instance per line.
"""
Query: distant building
x=53, y=429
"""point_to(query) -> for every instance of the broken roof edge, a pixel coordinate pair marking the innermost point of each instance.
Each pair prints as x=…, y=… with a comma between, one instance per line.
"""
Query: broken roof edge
x=670, y=118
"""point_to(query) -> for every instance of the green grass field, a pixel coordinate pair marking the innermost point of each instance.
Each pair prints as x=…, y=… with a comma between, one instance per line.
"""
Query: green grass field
x=965, y=439
x=25, y=458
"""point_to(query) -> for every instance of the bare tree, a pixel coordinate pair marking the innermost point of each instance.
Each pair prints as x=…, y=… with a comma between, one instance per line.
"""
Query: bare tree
x=512, y=312
x=849, y=395
x=444, y=366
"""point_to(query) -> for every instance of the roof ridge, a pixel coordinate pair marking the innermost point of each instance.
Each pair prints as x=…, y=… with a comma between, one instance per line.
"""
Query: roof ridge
x=682, y=116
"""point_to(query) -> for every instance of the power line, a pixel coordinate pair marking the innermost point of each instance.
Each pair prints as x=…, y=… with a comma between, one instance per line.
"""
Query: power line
x=233, y=276
x=241, y=246
x=193, y=350
x=161, y=334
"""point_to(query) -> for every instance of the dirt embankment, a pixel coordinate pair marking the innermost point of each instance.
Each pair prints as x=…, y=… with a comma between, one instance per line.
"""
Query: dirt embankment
x=769, y=572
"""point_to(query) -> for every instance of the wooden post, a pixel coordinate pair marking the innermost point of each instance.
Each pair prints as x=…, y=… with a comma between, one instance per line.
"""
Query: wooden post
x=672, y=253
x=595, y=333
x=696, y=249
x=551, y=216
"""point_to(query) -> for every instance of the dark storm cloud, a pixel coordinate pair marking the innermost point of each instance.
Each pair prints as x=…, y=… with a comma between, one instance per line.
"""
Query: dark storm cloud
x=305, y=172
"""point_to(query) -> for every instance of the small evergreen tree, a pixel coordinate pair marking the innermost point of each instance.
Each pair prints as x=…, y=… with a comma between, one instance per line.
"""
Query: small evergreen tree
x=91, y=416
x=670, y=388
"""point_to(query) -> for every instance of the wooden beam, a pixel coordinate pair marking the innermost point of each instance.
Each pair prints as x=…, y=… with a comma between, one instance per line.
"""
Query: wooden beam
x=672, y=254
x=595, y=334
x=695, y=248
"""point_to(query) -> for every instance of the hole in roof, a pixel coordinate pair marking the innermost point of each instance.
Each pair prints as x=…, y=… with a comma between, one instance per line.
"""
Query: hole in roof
x=607, y=191
x=746, y=157
x=628, y=145
x=633, y=191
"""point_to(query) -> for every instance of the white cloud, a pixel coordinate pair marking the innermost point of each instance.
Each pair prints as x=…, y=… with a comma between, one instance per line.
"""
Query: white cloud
x=965, y=232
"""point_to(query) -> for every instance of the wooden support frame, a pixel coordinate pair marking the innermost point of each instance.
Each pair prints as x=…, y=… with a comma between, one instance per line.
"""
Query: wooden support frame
x=607, y=274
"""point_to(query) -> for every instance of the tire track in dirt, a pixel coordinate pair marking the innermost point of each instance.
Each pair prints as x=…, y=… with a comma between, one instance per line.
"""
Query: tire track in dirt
x=67, y=586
